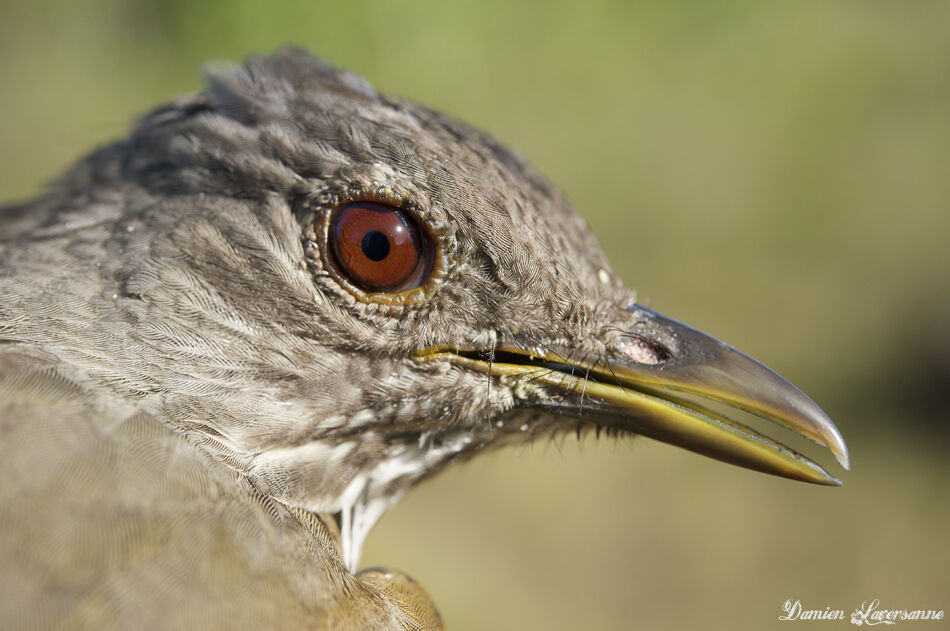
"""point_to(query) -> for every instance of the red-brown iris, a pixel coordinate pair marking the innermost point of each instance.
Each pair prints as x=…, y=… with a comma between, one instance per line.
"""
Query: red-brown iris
x=379, y=248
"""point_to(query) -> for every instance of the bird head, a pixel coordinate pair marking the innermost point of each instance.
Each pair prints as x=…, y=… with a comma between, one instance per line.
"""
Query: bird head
x=337, y=293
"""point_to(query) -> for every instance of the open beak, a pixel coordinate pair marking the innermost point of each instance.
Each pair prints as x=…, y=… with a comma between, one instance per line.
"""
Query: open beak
x=666, y=395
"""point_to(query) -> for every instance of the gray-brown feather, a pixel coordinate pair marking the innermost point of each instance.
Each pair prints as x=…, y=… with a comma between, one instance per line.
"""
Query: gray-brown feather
x=184, y=385
x=114, y=520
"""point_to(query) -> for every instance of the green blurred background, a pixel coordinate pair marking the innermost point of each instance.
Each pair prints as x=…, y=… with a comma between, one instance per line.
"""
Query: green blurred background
x=775, y=173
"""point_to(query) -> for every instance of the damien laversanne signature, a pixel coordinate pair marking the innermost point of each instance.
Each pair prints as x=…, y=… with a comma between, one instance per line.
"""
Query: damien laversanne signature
x=869, y=613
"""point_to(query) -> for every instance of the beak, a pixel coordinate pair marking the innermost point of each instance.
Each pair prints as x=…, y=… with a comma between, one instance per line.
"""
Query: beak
x=661, y=387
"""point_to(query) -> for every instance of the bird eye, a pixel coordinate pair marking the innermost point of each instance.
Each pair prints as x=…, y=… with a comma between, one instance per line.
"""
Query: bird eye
x=379, y=248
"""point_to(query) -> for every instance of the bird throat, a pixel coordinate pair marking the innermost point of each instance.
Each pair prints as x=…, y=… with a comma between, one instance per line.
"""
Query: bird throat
x=376, y=489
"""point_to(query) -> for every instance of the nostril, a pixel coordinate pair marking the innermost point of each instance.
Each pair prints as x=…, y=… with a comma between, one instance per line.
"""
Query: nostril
x=643, y=350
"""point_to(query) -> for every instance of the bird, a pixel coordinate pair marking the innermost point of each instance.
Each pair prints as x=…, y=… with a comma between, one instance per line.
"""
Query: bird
x=232, y=340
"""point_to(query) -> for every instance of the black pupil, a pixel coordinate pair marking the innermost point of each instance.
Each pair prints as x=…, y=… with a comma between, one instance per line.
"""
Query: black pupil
x=375, y=245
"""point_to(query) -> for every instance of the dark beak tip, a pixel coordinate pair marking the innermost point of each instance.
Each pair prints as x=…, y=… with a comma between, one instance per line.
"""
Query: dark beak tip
x=840, y=451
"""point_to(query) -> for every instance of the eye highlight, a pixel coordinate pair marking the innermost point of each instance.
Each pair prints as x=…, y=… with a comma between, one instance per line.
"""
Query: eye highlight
x=379, y=248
